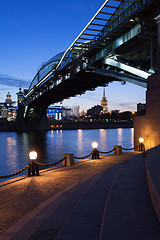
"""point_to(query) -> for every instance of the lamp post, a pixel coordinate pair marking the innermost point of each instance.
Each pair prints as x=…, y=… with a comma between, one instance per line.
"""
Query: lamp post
x=95, y=152
x=34, y=166
x=141, y=146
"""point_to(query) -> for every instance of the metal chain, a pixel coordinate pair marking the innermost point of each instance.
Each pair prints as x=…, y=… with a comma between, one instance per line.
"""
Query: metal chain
x=50, y=164
x=108, y=151
x=91, y=154
x=16, y=173
x=83, y=157
x=131, y=148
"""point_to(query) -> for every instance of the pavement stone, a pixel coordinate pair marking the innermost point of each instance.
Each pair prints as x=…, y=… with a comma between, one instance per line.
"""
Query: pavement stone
x=85, y=222
x=130, y=214
x=112, y=205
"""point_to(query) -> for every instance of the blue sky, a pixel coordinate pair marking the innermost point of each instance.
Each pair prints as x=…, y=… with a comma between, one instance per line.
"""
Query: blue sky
x=33, y=31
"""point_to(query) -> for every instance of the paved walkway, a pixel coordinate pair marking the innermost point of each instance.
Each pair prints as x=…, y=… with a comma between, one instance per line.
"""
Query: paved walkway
x=113, y=205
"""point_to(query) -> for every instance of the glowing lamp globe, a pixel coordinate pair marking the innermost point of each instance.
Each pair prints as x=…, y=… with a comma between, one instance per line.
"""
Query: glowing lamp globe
x=33, y=155
x=141, y=140
x=95, y=145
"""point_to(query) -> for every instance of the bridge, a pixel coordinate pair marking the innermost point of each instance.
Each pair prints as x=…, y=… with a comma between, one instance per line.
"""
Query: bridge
x=118, y=44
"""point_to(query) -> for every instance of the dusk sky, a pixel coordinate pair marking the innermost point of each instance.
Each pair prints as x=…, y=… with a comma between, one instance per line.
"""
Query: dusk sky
x=33, y=31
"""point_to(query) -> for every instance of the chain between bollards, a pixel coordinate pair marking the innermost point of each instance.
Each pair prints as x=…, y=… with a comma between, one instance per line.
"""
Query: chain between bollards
x=16, y=173
x=50, y=164
x=129, y=149
x=83, y=157
x=33, y=166
x=107, y=152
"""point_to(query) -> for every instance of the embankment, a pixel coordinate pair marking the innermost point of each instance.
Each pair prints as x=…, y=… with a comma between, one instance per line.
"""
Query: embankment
x=90, y=125
x=11, y=126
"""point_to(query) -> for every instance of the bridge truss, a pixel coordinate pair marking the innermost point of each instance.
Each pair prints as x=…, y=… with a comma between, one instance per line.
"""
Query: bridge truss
x=115, y=45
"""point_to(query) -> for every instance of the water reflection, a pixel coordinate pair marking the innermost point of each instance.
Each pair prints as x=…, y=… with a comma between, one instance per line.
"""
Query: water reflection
x=103, y=139
x=37, y=141
x=120, y=135
x=12, y=159
x=132, y=136
x=51, y=133
x=79, y=139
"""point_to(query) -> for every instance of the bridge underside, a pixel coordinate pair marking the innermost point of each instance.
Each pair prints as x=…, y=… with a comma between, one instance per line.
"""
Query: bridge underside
x=79, y=83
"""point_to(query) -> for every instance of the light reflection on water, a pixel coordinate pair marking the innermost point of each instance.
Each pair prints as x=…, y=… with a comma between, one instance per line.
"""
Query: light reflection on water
x=80, y=140
x=120, y=136
x=52, y=145
x=12, y=152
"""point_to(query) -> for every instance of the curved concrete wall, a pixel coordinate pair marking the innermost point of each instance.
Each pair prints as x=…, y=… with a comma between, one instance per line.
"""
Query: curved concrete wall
x=153, y=177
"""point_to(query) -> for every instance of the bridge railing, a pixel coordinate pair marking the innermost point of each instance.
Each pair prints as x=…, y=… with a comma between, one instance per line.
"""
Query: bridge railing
x=117, y=15
x=122, y=13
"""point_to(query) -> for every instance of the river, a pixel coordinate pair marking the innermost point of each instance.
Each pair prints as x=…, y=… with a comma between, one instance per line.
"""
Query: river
x=51, y=145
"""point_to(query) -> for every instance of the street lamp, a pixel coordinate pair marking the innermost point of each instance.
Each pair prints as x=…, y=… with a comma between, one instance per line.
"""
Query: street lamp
x=94, y=145
x=95, y=152
x=141, y=146
x=33, y=155
x=33, y=164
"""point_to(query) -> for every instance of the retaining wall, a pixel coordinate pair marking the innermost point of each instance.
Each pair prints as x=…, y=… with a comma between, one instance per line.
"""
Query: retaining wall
x=153, y=177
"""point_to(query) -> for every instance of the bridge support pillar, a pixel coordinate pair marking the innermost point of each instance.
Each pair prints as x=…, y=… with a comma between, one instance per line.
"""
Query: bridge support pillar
x=157, y=18
x=39, y=122
x=148, y=127
x=20, y=121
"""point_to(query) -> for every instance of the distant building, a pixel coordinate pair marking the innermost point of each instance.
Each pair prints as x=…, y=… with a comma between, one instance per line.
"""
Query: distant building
x=3, y=112
x=115, y=111
x=104, y=103
x=7, y=110
x=20, y=96
x=76, y=111
x=82, y=113
x=141, y=107
x=58, y=112
x=8, y=102
x=94, y=110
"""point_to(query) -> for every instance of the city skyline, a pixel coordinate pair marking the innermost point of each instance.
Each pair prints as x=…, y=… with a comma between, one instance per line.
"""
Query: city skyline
x=32, y=33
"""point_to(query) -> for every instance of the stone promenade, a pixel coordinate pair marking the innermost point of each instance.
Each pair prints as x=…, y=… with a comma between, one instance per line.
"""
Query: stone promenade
x=98, y=199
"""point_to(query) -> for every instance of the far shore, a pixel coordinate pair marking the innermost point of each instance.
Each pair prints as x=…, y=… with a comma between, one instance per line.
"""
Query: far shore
x=90, y=125
x=6, y=126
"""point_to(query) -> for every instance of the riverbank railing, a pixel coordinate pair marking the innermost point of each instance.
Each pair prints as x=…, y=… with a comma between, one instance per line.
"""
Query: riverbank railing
x=68, y=160
x=32, y=168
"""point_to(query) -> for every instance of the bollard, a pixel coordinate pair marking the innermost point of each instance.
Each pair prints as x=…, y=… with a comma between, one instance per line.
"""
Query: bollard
x=69, y=161
x=117, y=150
x=37, y=169
x=141, y=147
x=34, y=168
x=33, y=165
x=95, y=154
x=29, y=171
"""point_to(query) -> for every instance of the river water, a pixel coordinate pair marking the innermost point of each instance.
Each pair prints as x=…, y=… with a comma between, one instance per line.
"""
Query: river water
x=51, y=145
